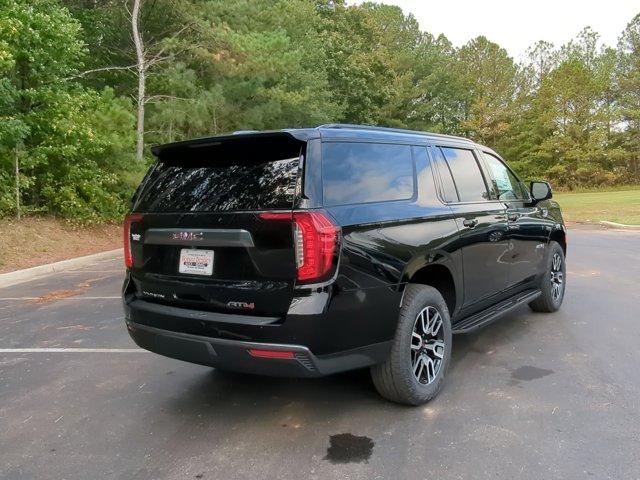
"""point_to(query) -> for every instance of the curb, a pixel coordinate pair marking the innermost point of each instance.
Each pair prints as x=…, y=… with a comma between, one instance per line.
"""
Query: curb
x=19, y=276
x=624, y=226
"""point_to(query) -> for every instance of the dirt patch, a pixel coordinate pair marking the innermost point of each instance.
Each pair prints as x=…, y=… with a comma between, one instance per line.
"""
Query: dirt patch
x=39, y=240
x=56, y=295
x=75, y=328
x=66, y=293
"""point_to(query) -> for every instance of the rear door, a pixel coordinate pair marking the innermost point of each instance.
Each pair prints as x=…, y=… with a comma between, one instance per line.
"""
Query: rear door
x=198, y=239
x=481, y=224
x=527, y=227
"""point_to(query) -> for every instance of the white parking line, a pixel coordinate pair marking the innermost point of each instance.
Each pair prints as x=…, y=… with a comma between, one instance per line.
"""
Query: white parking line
x=72, y=350
x=60, y=299
x=93, y=271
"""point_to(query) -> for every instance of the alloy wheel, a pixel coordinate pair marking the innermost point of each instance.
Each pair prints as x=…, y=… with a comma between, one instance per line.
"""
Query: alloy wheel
x=427, y=345
x=557, y=277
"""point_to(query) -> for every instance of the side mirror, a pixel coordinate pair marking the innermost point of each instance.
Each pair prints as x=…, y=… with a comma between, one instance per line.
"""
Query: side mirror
x=540, y=191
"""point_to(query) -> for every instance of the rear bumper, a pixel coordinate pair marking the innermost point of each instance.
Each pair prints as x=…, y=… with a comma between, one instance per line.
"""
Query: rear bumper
x=234, y=355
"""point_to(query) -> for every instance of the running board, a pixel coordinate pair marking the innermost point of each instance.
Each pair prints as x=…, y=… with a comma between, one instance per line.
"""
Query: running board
x=485, y=317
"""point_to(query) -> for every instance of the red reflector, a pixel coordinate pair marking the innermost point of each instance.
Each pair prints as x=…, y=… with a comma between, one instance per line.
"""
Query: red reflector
x=270, y=353
x=276, y=215
x=128, y=220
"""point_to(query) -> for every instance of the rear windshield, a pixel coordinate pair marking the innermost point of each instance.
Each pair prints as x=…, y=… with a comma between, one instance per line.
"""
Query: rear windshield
x=196, y=187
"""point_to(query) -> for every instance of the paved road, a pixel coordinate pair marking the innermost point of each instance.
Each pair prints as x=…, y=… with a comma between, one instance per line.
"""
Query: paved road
x=532, y=396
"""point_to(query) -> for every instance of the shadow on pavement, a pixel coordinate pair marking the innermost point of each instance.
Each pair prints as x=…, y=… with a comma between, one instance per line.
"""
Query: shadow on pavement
x=224, y=395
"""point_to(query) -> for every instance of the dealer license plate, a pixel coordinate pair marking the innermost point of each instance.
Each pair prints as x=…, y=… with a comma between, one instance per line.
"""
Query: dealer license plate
x=196, y=262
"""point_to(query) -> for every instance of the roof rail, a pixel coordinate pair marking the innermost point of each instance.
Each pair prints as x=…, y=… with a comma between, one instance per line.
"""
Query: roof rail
x=390, y=130
x=243, y=132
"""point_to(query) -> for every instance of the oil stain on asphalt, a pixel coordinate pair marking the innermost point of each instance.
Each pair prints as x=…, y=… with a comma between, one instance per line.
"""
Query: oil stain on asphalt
x=527, y=372
x=347, y=448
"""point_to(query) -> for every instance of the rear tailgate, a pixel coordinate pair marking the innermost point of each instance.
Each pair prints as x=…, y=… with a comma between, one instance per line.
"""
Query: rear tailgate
x=197, y=239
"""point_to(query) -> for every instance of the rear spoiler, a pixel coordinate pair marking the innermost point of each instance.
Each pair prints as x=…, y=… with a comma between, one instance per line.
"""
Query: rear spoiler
x=285, y=144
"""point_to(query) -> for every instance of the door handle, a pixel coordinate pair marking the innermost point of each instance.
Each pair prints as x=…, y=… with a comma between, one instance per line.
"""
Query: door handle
x=512, y=217
x=470, y=222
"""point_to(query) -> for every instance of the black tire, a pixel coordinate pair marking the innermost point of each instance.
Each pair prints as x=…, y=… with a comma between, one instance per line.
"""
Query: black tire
x=395, y=379
x=550, y=301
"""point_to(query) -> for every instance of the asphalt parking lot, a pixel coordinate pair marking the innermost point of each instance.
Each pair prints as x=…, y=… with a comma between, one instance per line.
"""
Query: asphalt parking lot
x=532, y=396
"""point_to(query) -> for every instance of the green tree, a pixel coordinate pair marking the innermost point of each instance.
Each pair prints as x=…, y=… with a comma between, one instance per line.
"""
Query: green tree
x=69, y=72
x=572, y=109
x=542, y=59
x=629, y=92
x=52, y=126
x=567, y=130
x=260, y=71
x=441, y=94
x=490, y=76
x=371, y=50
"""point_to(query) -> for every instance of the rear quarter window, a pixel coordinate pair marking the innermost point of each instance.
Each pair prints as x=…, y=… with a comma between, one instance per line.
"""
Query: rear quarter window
x=449, y=192
x=466, y=174
x=366, y=172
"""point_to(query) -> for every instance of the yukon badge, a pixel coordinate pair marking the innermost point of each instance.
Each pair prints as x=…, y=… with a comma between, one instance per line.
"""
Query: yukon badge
x=190, y=236
x=153, y=294
x=244, y=305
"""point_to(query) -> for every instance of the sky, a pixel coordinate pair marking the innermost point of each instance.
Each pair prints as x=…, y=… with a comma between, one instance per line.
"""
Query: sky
x=516, y=25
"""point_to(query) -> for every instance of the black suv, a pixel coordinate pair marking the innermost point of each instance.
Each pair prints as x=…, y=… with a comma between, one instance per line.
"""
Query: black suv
x=306, y=252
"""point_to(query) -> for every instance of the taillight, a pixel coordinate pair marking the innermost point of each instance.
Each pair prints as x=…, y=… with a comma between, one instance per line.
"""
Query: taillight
x=315, y=240
x=315, y=244
x=128, y=220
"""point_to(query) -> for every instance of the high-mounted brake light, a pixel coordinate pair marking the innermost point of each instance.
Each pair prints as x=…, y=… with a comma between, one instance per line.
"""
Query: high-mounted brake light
x=315, y=239
x=128, y=220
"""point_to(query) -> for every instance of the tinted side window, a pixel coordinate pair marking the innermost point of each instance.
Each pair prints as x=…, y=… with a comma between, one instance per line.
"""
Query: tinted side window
x=448, y=186
x=366, y=172
x=466, y=174
x=504, y=184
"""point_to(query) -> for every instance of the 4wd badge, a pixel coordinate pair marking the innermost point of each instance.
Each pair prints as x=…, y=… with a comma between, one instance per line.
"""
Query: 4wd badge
x=244, y=305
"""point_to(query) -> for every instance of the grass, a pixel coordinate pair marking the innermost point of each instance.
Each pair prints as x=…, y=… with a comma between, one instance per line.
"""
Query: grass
x=615, y=188
x=621, y=206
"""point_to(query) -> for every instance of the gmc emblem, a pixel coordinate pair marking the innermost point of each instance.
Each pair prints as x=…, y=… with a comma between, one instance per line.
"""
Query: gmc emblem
x=190, y=236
